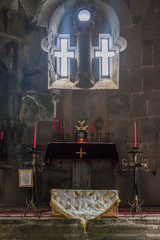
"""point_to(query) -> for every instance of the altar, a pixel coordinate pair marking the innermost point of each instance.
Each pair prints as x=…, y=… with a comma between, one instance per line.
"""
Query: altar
x=81, y=151
x=84, y=204
x=83, y=155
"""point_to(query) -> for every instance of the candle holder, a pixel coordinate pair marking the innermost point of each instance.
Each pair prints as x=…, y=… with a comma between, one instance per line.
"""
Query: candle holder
x=34, y=161
x=108, y=134
x=135, y=163
x=3, y=150
x=99, y=126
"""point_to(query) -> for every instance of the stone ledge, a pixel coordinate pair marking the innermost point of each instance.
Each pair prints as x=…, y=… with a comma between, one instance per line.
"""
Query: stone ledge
x=68, y=229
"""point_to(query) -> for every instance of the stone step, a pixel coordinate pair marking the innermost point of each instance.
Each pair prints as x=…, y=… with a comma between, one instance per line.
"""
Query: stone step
x=38, y=228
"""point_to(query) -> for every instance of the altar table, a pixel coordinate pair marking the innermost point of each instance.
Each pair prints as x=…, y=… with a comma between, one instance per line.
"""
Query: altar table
x=81, y=151
x=84, y=204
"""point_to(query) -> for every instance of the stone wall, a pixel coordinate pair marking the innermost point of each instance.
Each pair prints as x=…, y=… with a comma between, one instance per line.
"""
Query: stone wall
x=26, y=99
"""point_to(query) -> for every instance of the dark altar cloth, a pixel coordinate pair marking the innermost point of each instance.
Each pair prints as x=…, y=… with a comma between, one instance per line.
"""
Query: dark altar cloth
x=70, y=151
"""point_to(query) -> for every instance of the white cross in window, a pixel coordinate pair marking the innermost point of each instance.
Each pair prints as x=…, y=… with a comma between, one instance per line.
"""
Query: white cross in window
x=64, y=56
x=104, y=54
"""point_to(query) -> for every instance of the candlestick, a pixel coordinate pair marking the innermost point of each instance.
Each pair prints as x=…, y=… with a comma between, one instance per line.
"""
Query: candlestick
x=135, y=137
x=67, y=126
x=35, y=132
x=60, y=125
x=54, y=125
x=91, y=126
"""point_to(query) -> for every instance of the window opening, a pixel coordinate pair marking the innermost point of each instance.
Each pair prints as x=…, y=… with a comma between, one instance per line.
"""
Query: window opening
x=63, y=55
x=104, y=55
x=84, y=15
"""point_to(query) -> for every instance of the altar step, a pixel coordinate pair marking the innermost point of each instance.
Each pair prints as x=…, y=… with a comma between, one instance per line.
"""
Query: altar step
x=46, y=228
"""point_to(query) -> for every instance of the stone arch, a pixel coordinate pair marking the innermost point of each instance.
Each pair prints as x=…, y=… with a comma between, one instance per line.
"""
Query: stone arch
x=46, y=10
x=108, y=12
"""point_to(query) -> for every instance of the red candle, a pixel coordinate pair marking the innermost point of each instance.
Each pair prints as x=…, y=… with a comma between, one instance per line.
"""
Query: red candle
x=67, y=125
x=107, y=126
x=135, y=137
x=91, y=126
x=54, y=125
x=35, y=130
x=1, y=137
x=60, y=125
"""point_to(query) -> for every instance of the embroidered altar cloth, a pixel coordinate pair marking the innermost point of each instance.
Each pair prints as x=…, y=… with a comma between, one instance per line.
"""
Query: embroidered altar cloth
x=83, y=204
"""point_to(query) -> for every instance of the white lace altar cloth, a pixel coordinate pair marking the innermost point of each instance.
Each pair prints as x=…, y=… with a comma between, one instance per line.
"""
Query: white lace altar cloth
x=83, y=204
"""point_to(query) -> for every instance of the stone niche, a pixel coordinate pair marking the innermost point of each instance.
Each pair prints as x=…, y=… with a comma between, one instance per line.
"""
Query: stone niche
x=85, y=71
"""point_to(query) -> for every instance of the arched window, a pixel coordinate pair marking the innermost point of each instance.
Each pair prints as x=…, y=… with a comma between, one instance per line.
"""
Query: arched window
x=83, y=46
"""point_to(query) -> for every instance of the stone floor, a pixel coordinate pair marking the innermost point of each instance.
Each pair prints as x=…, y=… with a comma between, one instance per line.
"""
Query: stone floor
x=47, y=227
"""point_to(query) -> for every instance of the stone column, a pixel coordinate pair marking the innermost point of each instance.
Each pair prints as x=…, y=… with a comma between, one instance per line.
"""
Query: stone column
x=84, y=60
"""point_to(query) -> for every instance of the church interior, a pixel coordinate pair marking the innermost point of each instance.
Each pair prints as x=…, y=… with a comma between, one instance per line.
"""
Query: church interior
x=79, y=119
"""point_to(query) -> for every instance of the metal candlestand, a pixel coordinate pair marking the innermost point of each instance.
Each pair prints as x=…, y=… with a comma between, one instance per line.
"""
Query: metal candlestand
x=99, y=126
x=34, y=161
x=108, y=136
x=135, y=163
x=1, y=150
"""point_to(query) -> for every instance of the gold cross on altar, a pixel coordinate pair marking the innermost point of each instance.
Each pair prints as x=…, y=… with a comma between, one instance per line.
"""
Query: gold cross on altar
x=81, y=152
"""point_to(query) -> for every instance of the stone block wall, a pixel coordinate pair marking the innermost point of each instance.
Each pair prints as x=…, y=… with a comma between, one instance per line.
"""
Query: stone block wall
x=26, y=99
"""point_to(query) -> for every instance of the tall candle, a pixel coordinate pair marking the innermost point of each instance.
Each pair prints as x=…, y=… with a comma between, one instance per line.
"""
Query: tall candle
x=107, y=126
x=67, y=125
x=91, y=126
x=135, y=137
x=60, y=125
x=35, y=133
x=54, y=125
x=1, y=137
